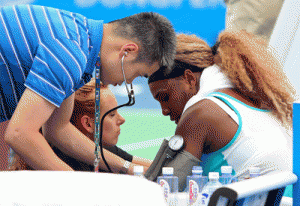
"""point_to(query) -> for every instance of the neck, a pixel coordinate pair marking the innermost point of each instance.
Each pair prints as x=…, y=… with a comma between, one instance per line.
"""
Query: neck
x=89, y=135
x=198, y=75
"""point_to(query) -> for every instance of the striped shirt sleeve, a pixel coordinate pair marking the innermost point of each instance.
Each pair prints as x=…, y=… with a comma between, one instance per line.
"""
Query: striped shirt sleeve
x=46, y=50
x=47, y=79
x=59, y=61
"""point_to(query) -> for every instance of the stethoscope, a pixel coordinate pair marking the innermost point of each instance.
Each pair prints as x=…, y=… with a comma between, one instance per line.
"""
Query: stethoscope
x=97, y=138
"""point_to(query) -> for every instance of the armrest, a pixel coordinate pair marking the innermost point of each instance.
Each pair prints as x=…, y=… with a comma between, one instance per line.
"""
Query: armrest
x=246, y=188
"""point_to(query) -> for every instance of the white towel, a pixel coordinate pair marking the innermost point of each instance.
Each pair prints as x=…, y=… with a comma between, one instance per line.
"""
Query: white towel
x=212, y=79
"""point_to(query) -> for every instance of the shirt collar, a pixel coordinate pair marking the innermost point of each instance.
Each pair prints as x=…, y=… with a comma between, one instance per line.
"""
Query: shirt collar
x=212, y=79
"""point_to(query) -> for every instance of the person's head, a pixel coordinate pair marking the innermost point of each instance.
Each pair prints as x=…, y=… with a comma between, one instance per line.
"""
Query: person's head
x=244, y=58
x=84, y=112
x=173, y=88
x=147, y=40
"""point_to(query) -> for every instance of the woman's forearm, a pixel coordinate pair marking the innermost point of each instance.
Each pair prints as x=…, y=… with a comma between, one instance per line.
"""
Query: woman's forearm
x=141, y=161
x=75, y=144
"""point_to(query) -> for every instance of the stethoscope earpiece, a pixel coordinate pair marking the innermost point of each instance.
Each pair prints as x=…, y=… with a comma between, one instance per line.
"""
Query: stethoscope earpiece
x=130, y=102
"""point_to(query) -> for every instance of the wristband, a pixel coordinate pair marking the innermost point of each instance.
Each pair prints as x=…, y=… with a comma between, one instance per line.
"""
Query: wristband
x=126, y=166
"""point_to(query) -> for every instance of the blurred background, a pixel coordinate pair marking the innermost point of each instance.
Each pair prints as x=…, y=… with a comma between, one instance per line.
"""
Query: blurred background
x=145, y=126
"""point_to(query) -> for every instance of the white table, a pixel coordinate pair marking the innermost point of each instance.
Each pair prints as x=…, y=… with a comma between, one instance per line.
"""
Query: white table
x=53, y=188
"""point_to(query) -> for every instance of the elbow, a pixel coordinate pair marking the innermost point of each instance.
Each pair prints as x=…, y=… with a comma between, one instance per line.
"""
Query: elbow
x=12, y=135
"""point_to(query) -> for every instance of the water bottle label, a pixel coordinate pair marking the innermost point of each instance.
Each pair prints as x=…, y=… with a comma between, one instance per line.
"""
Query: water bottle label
x=204, y=198
x=193, y=191
x=166, y=188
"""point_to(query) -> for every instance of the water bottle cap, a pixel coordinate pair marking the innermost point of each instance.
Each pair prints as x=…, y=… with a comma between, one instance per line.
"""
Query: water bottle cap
x=197, y=170
x=254, y=170
x=213, y=175
x=138, y=169
x=226, y=169
x=167, y=170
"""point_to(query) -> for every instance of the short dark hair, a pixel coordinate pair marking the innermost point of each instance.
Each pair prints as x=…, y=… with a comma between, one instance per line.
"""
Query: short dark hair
x=154, y=32
x=176, y=71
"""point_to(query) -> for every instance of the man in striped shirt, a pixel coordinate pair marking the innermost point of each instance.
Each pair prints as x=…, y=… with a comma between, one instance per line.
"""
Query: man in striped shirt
x=46, y=54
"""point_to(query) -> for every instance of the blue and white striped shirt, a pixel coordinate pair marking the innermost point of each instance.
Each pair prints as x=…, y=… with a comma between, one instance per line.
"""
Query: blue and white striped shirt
x=50, y=51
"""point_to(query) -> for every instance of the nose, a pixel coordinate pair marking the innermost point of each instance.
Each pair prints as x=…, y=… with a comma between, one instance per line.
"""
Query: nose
x=165, y=110
x=121, y=119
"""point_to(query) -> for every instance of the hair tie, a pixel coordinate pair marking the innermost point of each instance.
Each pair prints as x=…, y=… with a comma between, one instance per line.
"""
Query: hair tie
x=215, y=47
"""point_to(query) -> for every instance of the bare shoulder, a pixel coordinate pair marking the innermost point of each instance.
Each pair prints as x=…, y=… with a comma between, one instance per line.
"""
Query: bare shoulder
x=195, y=125
x=205, y=124
x=204, y=110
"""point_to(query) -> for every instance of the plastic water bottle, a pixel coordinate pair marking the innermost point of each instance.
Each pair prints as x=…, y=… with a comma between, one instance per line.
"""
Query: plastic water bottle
x=169, y=184
x=138, y=171
x=195, y=184
x=210, y=187
x=226, y=177
x=254, y=172
x=258, y=199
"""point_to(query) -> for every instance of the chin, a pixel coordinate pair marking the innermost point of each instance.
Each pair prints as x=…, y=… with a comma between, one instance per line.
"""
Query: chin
x=115, y=142
x=108, y=144
x=112, y=143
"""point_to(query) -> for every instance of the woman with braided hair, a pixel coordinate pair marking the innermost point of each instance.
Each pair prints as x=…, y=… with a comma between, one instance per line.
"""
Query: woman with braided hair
x=232, y=105
x=83, y=119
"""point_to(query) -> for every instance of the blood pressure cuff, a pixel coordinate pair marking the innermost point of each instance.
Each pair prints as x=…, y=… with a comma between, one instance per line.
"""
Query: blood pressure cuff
x=182, y=163
x=155, y=168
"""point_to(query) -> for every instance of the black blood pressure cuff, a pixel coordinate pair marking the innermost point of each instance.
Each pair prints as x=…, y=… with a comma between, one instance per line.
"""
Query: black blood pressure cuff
x=182, y=163
x=156, y=167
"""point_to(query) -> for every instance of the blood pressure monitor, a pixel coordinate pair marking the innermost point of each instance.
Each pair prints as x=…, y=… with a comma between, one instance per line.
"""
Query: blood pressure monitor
x=176, y=143
x=166, y=154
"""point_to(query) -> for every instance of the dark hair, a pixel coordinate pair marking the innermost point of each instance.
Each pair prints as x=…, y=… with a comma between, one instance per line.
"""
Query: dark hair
x=215, y=47
x=176, y=71
x=154, y=32
x=244, y=58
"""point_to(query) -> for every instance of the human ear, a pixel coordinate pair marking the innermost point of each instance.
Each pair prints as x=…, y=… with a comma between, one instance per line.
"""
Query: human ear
x=130, y=51
x=190, y=78
x=86, y=123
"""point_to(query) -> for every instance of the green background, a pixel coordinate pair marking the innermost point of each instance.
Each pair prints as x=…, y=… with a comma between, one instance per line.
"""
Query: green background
x=143, y=131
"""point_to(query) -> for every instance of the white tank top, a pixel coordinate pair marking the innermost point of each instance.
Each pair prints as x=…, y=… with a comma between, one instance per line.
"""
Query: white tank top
x=260, y=140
